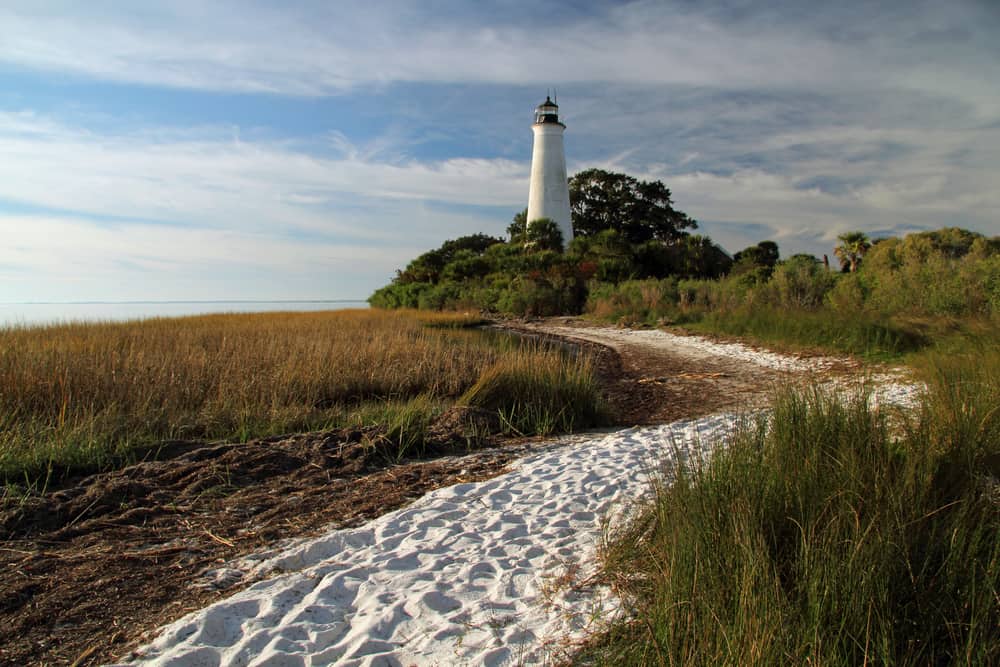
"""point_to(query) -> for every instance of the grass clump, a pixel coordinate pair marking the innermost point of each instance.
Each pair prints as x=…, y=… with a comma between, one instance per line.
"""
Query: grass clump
x=450, y=320
x=822, y=535
x=539, y=391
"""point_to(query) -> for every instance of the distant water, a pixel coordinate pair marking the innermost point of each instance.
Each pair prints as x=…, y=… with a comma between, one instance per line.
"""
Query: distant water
x=43, y=313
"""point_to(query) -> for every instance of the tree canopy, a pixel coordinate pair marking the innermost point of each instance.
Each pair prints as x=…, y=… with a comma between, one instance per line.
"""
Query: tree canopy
x=630, y=231
x=763, y=254
x=853, y=246
x=640, y=210
x=428, y=266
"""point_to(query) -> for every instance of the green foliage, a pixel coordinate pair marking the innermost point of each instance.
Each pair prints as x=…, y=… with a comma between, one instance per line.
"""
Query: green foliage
x=863, y=334
x=626, y=230
x=635, y=301
x=853, y=246
x=543, y=234
x=428, y=267
x=800, y=282
x=530, y=276
x=399, y=295
x=518, y=227
x=764, y=254
x=820, y=535
x=899, y=300
x=949, y=272
x=640, y=210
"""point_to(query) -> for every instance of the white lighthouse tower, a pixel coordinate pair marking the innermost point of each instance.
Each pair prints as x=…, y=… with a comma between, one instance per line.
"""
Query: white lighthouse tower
x=548, y=194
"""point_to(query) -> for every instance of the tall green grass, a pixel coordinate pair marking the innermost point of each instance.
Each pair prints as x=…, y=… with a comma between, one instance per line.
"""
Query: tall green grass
x=827, y=534
x=861, y=334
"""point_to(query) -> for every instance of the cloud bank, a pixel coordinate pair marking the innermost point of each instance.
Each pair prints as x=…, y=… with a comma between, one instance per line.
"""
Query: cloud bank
x=767, y=121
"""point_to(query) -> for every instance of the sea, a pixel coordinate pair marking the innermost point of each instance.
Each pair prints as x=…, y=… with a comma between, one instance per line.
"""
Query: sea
x=28, y=314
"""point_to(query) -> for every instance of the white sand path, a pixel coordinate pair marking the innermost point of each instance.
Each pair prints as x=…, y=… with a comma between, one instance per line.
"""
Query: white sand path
x=492, y=573
x=472, y=574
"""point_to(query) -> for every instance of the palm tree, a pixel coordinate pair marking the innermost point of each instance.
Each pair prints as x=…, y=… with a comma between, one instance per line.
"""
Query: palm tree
x=853, y=246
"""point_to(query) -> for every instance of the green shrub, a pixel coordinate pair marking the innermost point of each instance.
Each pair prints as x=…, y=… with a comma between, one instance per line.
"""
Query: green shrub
x=404, y=295
x=646, y=301
x=801, y=283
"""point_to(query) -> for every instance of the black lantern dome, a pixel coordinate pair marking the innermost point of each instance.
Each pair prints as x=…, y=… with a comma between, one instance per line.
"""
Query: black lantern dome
x=547, y=111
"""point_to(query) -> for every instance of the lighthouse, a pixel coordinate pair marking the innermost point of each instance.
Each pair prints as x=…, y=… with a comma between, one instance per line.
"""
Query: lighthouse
x=548, y=194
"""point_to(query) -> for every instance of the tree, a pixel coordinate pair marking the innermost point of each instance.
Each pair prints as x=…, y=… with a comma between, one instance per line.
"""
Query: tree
x=610, y=254
x=801, y=281
x=477, y=243
x=755, y=265
x=518, y=227
x=427, y=267
x=853, y=246
x=640, y=210
x=544, y=234
x=701, y=258
x=763, y=254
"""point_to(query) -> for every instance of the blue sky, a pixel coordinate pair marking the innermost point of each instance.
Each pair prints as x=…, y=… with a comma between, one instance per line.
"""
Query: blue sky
x=302, y=150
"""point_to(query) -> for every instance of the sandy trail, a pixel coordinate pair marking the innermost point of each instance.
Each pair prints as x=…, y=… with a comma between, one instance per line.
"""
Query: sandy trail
x=496, y=572
x=665, y=376
x=493, y=573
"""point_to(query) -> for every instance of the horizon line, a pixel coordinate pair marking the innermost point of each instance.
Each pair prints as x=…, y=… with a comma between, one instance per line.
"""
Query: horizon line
x=70, y=303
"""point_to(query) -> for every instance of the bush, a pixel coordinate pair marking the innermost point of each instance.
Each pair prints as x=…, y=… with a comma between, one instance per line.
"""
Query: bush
x=800, y=283
x=860, y=334
x=646, y=301
x=950, y=272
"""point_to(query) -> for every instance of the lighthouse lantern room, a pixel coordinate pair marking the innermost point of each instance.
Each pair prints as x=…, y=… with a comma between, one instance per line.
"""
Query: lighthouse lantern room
x=547, y=112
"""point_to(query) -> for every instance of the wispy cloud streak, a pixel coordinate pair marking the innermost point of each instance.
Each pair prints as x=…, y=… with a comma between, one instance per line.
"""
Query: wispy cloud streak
x=318, y=48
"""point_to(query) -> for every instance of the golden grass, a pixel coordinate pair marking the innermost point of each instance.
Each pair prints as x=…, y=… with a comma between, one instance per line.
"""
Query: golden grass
x=83, y=395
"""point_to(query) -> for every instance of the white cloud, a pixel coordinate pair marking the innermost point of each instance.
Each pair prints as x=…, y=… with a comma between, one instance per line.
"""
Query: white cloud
x=62, y=258
x=798, y=124
x=185, y=215
x=233, y=184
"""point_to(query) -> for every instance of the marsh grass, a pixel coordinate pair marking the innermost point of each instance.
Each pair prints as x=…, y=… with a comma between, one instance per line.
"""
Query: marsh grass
x=825, y=536
x=80, y=397
x=539, y=391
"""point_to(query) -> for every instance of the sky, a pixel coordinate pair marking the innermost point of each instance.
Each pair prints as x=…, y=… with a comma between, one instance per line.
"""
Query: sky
x=306, y=150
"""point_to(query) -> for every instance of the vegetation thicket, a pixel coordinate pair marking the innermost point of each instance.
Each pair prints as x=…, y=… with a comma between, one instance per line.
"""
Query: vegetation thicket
x=624, y=229
x=822, y=534
x=80, y=397
x=902, y=294
x=634, y=260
